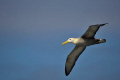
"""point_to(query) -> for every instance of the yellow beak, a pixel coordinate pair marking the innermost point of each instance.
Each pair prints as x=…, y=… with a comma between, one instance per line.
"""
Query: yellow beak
x=65, y=42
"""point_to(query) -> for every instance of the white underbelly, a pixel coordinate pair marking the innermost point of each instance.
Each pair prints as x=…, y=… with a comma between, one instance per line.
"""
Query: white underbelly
x=87, y=42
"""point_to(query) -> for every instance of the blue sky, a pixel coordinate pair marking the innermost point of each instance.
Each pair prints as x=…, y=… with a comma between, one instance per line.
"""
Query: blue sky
x=32, y=32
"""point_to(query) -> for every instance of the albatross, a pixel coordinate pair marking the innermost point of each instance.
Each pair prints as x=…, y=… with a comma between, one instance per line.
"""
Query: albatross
x=81, y=43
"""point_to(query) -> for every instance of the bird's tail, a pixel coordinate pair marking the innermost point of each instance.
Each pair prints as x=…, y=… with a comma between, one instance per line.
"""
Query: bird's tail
x=98, y=41
x=102, y=40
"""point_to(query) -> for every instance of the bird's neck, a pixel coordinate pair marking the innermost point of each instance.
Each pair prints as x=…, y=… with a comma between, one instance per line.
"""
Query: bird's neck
x=75, y=41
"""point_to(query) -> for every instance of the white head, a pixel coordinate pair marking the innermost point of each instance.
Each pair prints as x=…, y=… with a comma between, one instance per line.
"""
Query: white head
x=70, y=40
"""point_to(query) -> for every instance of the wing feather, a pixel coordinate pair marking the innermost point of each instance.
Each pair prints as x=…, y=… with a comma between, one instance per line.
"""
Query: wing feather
x=90, y=33
x=72, y=57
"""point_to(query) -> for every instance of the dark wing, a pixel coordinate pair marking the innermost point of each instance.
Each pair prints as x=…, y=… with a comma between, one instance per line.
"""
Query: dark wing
x=90, y=33
x=72, y=57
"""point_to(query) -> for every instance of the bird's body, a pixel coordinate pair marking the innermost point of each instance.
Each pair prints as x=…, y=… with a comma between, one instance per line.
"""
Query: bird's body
x=81, y=43
x=86, y=42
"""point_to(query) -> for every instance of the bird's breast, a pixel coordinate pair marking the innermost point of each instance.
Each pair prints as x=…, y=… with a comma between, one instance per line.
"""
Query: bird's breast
x=85, y=42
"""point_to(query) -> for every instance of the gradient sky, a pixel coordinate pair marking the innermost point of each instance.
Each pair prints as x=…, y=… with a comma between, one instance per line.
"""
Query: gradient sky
x=32, y=32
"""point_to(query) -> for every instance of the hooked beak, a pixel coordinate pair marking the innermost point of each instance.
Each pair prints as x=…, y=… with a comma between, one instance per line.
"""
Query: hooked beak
x=65, y=42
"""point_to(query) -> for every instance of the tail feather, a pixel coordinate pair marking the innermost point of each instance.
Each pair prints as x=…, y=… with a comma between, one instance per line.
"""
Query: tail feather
x=102, y=40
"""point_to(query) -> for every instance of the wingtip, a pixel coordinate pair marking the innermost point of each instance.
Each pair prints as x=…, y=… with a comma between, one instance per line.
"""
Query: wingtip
x=66, y=72
x=105, y=23
x=99, y=24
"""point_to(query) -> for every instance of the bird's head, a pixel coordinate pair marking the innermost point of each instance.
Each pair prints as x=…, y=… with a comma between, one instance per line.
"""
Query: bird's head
x=70, y=40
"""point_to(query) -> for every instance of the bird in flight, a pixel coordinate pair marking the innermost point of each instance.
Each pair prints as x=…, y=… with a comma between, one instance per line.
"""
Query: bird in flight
x=81, y=43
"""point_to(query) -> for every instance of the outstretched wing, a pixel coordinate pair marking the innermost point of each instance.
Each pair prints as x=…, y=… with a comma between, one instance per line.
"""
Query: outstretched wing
x=90, y=33
x=72, y=57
